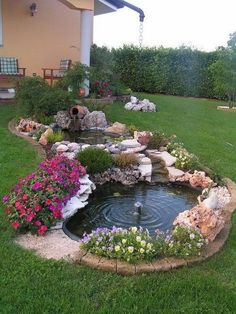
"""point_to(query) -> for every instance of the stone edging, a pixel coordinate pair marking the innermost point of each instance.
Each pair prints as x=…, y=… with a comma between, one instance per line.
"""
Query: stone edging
x=161, y=264
x=167, y=263
x=35, y=144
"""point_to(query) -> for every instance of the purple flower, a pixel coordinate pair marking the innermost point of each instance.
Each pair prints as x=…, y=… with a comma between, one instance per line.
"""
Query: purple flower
x=5, y=198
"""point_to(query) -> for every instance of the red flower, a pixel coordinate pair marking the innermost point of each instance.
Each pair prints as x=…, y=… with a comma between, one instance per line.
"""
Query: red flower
x=25, y=197
x=38, y=208
x=15, y=224
x=57, y=214
x=42, y=230
x=48, y=202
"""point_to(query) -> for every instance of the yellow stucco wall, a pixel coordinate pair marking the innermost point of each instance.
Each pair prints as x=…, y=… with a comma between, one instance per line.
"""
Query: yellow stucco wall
x=42, y=40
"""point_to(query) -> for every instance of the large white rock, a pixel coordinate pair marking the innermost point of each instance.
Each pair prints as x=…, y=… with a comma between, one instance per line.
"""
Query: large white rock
x=145, y=161
x=86, y=181
x=130, y=143
x=145, y=170
x=211, y=201
x=134, y=100
x=73, y=147
x=72, y=207
x=62, y=148
x=134, y=150
x=82, y=189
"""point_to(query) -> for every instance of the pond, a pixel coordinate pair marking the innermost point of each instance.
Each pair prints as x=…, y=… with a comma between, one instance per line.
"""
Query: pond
x=116, y=205
x=92, y=137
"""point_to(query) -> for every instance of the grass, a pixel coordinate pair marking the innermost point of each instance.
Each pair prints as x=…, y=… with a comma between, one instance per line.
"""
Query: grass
x=29, y=284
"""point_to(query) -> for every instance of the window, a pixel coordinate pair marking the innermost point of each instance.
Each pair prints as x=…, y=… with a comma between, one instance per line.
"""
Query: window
x=1, y=23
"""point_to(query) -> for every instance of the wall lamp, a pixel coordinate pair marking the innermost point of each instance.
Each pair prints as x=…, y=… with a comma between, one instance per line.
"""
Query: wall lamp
x=33, y=9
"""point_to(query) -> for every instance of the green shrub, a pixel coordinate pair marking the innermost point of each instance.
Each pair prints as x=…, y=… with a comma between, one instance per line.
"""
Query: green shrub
x=36, y=98
x=95, y=159
x=125, y=160
x=185, y=160
x=56, y=137
x=45, y=120
x=52, y=100
x=74, y=78
x=28, y=92
x=158, y=140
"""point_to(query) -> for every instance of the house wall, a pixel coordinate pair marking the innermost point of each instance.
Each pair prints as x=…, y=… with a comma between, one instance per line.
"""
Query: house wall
x=42, y=40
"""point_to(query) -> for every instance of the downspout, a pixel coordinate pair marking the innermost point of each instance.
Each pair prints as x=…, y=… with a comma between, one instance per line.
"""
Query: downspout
x=134, y=8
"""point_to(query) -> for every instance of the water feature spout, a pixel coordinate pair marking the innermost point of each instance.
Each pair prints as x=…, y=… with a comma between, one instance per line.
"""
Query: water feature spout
x=138, y=208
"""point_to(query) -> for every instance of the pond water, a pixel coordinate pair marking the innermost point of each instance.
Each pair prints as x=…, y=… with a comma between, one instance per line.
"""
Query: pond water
x=92, y=137
x=114, y=205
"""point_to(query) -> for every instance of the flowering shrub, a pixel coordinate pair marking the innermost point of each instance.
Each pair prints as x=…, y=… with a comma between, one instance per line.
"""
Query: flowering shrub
x=185, y=160
x=36, y=201
x=184, y=241
x=102, y=89
x=131, y=245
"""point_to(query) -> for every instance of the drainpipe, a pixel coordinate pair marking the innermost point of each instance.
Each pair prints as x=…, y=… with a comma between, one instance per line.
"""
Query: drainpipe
x=134, y=8
x=86, y=30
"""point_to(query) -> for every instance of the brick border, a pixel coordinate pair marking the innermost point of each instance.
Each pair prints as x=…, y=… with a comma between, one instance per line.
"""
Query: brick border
x=165, y=263
x=35, y=144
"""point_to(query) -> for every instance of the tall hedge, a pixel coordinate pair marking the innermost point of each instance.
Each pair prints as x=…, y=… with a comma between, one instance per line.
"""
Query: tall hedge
x=182, y=71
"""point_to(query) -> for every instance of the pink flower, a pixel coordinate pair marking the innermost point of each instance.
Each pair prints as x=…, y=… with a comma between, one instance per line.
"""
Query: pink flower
x=15, y=225
x=30, y=217
x=5, y=198
x=38, y=223
x=37, y=186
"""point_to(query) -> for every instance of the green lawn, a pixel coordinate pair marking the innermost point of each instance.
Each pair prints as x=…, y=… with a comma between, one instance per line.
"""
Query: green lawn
x=29, y=284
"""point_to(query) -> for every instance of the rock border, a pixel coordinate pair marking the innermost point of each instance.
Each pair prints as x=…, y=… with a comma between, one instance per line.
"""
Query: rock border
x=161, y=264
x=35, y=144
x=226, y=108
x=165, y=263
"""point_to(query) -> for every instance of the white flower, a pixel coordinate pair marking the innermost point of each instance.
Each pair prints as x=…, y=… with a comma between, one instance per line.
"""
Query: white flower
x=117, y=248
x=130, y=249
x=192, y=236
x=138, y=239
x=134, y=229
x=149, y=245
x=199, y=245
x=124, y=241
x=143, y=243
x=141, y=250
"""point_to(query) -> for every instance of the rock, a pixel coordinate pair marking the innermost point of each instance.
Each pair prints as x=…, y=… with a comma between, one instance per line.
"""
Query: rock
x=145, y=170
x=134, y=100
x=73, y=147
x=63, y=120
x=72, y=207
x=145, y=161
x=113, y=149
x=101, y=146
x=27, y=125
x=84, y=146
x=62, y=148
x=144, y=105
x=220, y=193
x=197, y=179
x=69, y=155
x=95, y=119
x=44, y=137
x=116, y=128
x=130, y=143
x=206, y=220
x=143, y=137
x=174, y=173
x=134, y=150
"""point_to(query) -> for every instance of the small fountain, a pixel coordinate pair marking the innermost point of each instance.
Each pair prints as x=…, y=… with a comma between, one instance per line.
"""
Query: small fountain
x=138, y=208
